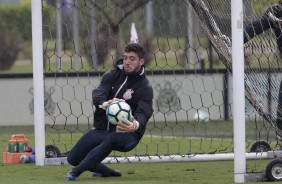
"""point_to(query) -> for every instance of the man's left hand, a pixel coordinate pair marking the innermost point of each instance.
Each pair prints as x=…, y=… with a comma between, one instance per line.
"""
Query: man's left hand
x=128, y=126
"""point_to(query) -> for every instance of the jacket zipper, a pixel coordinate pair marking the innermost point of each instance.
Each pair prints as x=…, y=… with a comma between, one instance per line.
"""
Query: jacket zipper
x=116, y=95
x=121, y=86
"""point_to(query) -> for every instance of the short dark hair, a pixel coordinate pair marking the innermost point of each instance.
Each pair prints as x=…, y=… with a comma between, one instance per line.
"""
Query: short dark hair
x=134, y=47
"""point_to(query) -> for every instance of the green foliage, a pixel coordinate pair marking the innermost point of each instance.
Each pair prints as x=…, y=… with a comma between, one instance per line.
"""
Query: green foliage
x=261, y=6
x=15, y=23
x=16, y=19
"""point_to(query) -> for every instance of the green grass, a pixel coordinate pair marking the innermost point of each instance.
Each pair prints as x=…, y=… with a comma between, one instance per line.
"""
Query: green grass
x=220, y=172
x=211, y=172
x=151, y=173
x=161, y=138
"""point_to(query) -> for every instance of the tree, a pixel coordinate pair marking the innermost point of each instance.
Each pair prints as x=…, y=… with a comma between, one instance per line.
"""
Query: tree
x=110, y=32
x=15, y=23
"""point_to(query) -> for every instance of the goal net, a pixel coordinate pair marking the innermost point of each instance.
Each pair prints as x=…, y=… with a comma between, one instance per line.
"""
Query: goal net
x=188, y=63
x=261, y=57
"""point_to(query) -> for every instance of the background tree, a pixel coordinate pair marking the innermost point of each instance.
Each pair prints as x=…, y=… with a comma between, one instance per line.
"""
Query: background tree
x=15, y=24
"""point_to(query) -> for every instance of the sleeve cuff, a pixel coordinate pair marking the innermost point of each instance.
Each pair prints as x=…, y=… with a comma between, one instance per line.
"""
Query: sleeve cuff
x=136, y=125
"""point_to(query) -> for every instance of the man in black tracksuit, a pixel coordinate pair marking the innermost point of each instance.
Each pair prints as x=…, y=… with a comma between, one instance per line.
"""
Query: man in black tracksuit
x=126, y=82
x=272, y=18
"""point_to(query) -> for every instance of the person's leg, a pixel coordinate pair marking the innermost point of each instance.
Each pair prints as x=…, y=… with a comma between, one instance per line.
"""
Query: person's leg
x=85, y=144
x=104, y=171
x=114, y=141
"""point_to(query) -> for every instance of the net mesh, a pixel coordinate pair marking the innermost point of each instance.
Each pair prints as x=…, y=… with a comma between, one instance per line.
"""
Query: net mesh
x=262, y=60
x=190, y=77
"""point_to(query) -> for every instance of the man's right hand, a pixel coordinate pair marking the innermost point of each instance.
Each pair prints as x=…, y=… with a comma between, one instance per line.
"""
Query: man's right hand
x=105, y=105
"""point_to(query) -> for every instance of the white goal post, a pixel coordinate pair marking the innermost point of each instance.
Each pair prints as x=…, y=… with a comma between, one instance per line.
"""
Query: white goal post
x=239, y=90
x=38, y=83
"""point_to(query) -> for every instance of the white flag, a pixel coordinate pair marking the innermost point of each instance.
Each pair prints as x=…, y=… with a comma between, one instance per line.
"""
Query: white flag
x=133, y=34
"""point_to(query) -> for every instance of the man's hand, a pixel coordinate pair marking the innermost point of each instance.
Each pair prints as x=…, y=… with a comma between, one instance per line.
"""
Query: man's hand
x=128, y=126
x=274, y=19
x=106, y=104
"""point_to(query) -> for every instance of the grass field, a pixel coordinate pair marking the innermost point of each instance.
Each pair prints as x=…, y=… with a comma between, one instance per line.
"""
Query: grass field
x=211, y=172
x=220, y=172
x=157, y=173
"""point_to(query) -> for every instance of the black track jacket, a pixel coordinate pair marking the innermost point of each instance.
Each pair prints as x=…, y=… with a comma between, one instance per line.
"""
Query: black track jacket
x=135, y=89
x=264, y=23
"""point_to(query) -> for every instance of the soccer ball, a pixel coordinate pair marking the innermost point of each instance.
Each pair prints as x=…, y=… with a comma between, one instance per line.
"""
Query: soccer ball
x=201, y=116
x=117, y=111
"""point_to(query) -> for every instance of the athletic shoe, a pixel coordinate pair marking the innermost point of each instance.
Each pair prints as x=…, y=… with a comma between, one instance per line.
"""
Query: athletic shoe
x=70, y=176
x=113, y=173
x=95, y=174
x=116, y=173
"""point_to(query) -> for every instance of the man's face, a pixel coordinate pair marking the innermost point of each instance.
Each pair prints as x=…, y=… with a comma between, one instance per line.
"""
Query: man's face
x=131, y=62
